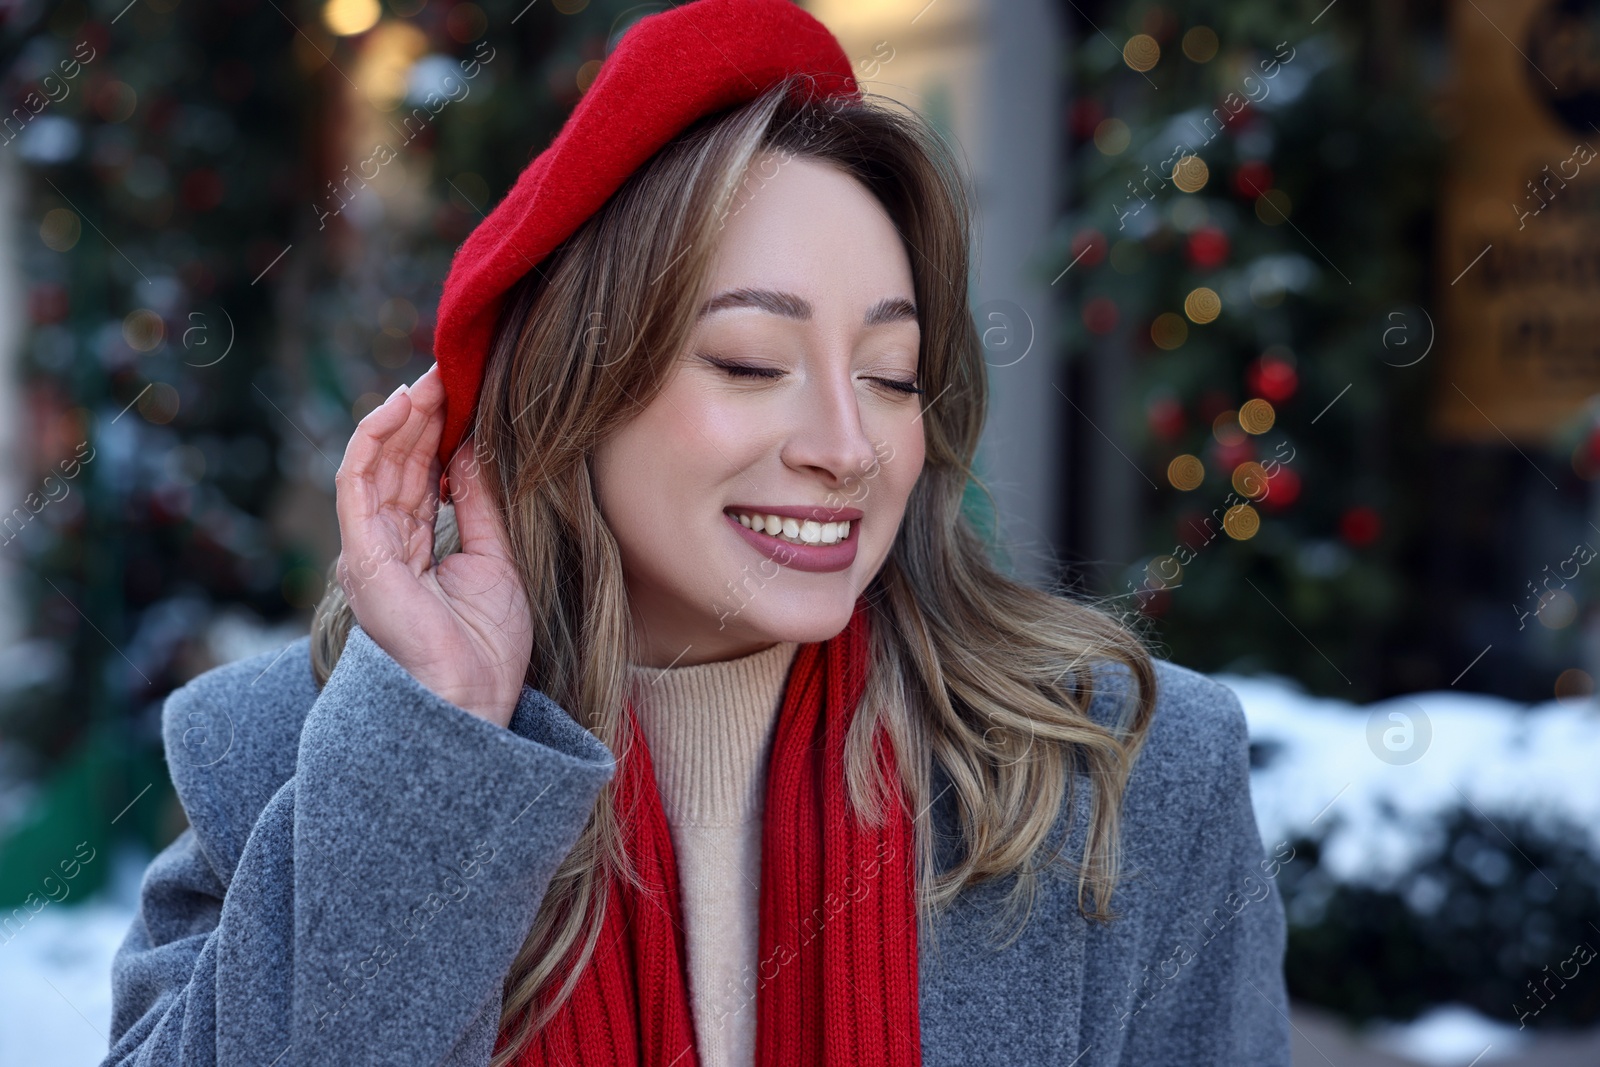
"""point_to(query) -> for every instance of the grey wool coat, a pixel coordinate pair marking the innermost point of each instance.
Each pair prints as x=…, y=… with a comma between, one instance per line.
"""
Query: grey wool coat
x=362, y=863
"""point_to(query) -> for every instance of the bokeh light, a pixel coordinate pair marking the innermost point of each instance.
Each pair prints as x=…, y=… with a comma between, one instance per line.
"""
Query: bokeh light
x=1191, y=174
x=1202, y=305
x=1186, y=472
x=1250, y=479
x=1241, y=522
x=159, y=403
x=142, y=329
x=1273, y=206
x=1200, y=44
x=60, y=229
x=1141, y=52
x=1574, y=684
x=1225, y=428
x=1112, y=137
x=349, y=17
x=1256, y=416
x=1169, y=331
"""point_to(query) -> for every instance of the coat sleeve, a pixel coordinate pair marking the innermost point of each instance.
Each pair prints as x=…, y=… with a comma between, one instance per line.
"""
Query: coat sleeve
x=380, y=895
x=1214, y=992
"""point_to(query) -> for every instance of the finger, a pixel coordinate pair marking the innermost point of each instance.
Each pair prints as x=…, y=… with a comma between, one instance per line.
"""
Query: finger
x=477, y=517
x=356, y=498
x=404, y=466
x=419, y=462
x=408, y=473
x=427, y=404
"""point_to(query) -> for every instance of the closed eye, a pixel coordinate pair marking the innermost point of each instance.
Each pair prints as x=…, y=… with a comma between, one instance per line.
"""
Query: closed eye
x=740, y=370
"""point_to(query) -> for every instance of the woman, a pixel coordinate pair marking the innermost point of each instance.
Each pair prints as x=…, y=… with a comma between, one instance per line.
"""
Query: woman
x=699, y=726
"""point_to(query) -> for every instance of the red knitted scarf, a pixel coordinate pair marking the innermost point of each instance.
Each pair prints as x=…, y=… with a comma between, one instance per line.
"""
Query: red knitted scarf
x=836, y=982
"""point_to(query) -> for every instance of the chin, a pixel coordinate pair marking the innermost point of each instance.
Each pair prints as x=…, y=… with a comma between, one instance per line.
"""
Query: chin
x=811, y=620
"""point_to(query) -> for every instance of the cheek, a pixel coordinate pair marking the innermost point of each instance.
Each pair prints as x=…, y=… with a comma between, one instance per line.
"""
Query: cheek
x=902, y=456
x=901, y=451
x=662, y=465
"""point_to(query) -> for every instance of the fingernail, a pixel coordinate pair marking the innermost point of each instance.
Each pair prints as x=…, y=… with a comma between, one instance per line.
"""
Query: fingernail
x=396, y=392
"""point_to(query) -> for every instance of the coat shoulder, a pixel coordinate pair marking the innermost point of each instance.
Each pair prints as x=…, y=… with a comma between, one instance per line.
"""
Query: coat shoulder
x=1195, y=760
x=1198, y=722
x=232, y=737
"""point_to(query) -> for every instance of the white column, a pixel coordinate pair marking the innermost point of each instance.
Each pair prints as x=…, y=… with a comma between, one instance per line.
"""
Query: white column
x=1016, y=155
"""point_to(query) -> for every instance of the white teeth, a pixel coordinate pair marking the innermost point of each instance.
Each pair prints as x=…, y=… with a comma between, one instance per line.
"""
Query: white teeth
x=805, y=532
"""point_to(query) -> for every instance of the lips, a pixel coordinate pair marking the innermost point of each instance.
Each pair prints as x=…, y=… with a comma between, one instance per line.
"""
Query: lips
x=817, y=559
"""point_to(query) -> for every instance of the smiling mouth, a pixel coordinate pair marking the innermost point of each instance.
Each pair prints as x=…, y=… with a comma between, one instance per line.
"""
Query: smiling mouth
x=795, y=531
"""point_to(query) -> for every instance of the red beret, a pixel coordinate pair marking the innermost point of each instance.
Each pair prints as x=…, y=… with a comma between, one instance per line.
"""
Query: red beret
x=668, y=70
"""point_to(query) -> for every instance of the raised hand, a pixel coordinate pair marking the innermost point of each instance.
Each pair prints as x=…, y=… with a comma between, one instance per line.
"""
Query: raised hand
x=461, y=625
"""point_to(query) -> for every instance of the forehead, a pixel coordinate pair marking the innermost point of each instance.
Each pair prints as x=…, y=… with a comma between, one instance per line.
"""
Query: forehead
x=805, y=227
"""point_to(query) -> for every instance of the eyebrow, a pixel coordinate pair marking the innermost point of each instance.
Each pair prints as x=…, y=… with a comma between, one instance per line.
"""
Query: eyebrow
x=790, y=306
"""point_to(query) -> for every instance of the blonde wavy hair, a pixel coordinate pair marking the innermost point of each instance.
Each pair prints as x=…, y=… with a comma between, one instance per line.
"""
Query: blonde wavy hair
x=987, y=676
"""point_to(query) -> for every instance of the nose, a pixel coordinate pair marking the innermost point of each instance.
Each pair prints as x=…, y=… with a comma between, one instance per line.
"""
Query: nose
x=827, y=437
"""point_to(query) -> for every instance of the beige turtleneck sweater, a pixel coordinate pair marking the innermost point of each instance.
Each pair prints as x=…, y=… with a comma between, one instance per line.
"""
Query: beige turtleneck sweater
x=710, y=728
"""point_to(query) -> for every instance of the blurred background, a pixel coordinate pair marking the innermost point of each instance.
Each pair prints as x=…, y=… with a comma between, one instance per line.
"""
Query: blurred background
x=1294, y=342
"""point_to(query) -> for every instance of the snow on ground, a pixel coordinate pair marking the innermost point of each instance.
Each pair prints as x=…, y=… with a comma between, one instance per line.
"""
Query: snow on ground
x=1375, y=777
x=1451, y=1035
x=55, y=974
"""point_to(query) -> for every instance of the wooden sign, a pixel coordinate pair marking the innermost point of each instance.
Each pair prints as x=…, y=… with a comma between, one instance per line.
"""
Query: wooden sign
x=1519, y=263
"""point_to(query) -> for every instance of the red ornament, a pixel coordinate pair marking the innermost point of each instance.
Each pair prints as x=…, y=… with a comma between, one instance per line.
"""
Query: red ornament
x=1283, y=489
x=1228, y=457
x=1586, y=455
x=1360, y=526
x=1208, y=247
x=1252, y=179
x=170, y=503
x=1085, y=116
x=1272, y=378
x=1100, y=315
x=1088, y=248
x=1235, y=120
x=1165, y=417
x=47, y=303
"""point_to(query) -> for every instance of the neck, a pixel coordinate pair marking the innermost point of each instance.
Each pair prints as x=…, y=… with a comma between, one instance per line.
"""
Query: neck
x=664, y=644
x=692, y=656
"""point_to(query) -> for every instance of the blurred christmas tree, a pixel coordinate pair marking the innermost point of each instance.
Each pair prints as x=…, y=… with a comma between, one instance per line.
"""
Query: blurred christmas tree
x=1250, y=187
x=216, y=291
x=160, y=172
